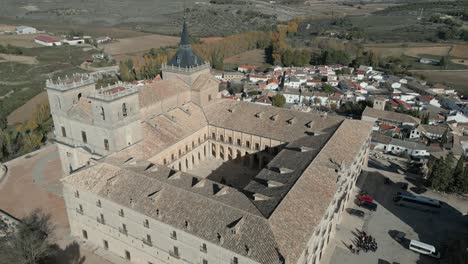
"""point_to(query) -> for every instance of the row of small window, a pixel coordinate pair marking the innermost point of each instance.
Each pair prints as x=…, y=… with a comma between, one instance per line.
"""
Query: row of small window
x=84, y=138
x=173, y=157
x=174, y=252
x=239, y=141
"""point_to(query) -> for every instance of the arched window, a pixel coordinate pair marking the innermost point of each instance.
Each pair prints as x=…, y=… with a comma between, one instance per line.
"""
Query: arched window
x=79, y=96
x=103, y=115
x=124, y=109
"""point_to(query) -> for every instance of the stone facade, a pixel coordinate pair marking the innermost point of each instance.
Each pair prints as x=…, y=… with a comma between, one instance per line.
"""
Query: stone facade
x=136, y=197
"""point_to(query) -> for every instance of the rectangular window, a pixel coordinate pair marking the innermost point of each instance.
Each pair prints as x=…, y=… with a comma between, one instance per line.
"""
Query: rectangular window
x=205, y=261
x=174, y=235
x=106, y=144
x=83, y=137
x=123, y=229
x=247, y=144
x=176, y=251
x=77, y=194
x=85, y=234
x=203, y=248
x=106, y=244
x=235, y=260
x=101, y=219
x=146, y=223
x=230, y=140
x=64, y=133
x=209, y=98
x=257, y=146
x=98, y=203
x=121, y=213
x=147, y=240
x=239, y=142
x=213, y=135
x=127, y=255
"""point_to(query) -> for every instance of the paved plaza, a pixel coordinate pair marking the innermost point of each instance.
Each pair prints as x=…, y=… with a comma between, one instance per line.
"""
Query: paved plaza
x=431, y=228
x=33, y=181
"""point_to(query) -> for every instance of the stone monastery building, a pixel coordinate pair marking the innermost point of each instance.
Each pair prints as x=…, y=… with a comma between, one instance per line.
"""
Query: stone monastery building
x=140, y=183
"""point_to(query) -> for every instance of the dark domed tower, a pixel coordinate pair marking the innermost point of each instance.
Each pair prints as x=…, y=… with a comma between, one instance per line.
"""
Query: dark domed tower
x=185, y=64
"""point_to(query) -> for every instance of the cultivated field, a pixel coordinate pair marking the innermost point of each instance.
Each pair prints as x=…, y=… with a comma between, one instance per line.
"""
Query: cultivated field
x=18, y=58
x=460, y=51
x=26, y=41
x=410, y=49
x=256, y=57
x=139, y=44
x=456, y=79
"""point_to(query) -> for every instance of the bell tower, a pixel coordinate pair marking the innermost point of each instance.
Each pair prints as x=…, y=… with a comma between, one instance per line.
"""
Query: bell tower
x=185, y=64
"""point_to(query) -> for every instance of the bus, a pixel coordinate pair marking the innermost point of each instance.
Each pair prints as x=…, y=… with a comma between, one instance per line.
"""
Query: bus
x=417, y=202
x=423, y=248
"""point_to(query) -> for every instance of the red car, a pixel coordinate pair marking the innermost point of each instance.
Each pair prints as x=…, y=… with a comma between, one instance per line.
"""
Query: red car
x=365, y=198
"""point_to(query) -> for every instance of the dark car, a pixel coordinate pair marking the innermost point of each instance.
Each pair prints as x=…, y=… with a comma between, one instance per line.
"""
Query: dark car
x=419, y=190
x=355, y=212
x=404, y=185
x=387, y=180
x=398, y=235
x=368, y=205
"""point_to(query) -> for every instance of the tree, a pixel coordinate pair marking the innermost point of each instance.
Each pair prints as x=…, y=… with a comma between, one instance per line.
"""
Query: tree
x=441, y=175
x=459, y=177
x=278, y=100
x=30, y=243
x=287, y=58
x=443, y=63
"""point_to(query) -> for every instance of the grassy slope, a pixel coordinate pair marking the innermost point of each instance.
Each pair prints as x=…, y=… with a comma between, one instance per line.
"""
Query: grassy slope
x=26, y=81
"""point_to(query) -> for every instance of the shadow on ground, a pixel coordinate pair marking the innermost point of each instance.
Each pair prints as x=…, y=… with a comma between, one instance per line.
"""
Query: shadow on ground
x=435, y=228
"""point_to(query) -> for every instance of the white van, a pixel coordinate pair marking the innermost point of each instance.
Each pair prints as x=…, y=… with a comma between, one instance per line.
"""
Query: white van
x=423, y=248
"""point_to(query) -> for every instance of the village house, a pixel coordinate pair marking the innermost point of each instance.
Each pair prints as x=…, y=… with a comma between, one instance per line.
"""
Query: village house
x=22, y=30
x=272, y=84
x=255, y=78
x=47, y=41
x=429, y=131
x=246, y=68
x=392, y=118
x=233, y=76
x=74, y=41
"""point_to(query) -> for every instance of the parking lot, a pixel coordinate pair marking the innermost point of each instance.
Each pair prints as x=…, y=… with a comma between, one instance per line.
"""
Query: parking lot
x=432, y=228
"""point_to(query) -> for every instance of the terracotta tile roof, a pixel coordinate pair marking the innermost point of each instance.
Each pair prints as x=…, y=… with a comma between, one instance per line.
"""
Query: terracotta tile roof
x=243, y=118
x=391, y=116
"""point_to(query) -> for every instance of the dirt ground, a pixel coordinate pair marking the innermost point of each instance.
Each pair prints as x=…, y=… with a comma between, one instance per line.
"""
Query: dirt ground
x=460, y=51
x=255, y=57
x=19, y=58
x=26, y=111
x=139, y=44
x=26, y=41
x=33, y=181
x=460, y=61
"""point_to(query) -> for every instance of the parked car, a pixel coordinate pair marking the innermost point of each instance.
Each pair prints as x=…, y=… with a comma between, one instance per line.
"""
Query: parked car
x=368, y=205
x=404, y=185
x=355, y=212
x=366, y=198
x=387, y=180
x=398, y=235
